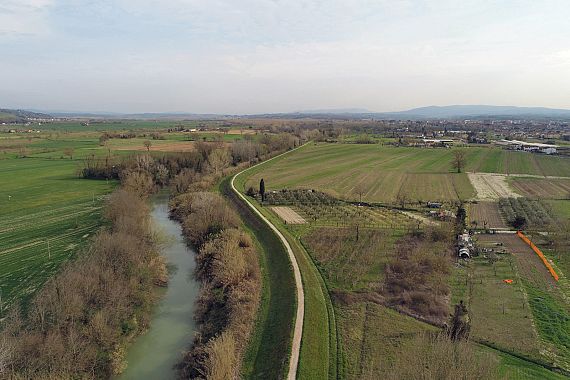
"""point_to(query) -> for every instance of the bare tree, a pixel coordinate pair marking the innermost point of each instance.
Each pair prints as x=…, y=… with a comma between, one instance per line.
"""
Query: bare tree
x=218, y=160
x=360, y=189
x=459, y=159
x=402, y=200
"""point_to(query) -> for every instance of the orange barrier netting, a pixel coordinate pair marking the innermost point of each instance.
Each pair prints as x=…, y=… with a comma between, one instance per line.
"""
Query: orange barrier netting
x=539, y=253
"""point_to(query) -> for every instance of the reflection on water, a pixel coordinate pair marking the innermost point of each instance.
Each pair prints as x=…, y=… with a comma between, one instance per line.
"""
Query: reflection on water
x=153, y=354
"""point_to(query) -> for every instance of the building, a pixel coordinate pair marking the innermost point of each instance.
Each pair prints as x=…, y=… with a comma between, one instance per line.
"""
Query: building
x=528, y=146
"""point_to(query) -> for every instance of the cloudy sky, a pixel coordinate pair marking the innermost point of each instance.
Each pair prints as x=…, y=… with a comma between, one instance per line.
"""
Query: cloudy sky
x=254, y=56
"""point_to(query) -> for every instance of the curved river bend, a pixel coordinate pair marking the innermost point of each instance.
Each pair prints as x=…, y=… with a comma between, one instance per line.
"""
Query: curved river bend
x=153, y=355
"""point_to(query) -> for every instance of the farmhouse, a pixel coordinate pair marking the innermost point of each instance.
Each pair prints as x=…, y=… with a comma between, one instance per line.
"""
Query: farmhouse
x=438, y=142
x=528, y=147
x=464, y=245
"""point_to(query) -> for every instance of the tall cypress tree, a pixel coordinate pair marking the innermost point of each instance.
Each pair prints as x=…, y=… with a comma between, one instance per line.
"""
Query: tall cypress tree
x=262, y=189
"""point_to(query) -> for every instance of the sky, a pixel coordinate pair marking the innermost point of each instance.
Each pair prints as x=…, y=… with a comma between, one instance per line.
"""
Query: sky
x=265, y=56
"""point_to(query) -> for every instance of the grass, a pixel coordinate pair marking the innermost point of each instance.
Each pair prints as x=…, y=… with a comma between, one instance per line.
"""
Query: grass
x=560, y=208
x=350, y=265
x=373, y=335
x=512, y=367
x=41, y=201
x=553, y=322
x=499, y=311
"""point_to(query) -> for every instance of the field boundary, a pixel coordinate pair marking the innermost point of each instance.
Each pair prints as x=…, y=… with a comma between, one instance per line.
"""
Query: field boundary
x=298, y=329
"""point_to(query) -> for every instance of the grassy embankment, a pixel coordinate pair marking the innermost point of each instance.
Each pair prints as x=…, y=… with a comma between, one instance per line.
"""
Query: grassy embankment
x=267, y=356
x=318, y=355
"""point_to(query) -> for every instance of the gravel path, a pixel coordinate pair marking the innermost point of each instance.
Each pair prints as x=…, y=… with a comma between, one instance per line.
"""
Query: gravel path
x=298, y=331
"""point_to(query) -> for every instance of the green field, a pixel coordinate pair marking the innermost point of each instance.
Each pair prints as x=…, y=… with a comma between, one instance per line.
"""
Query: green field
x=385, y=172
x=43, y=201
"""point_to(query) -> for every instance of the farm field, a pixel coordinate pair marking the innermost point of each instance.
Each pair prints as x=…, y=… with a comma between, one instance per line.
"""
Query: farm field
x=559, y=208
x=504, y=316
x=41, y=201
x=53, y=143
x=385, y=173
x=347, y=263
x=42, y=198
x=551, y=188
x=108, y=125
x=485, y=214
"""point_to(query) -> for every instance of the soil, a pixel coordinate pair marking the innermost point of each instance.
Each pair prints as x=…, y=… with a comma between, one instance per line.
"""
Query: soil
x=288, y=215
x=491, y=186
x=486, y=212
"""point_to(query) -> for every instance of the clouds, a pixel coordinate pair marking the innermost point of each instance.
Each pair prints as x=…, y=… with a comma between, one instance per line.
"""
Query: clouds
x=272, y=55
x=23, y=18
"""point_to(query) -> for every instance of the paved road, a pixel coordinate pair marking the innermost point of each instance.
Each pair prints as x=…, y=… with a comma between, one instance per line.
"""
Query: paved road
x=298, y=332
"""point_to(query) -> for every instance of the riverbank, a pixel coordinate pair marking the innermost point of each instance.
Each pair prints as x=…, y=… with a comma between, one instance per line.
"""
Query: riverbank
x=154, y=354
x=228, y=270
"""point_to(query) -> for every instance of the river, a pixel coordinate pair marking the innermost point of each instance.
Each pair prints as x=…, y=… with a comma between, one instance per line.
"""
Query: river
x=153, y=355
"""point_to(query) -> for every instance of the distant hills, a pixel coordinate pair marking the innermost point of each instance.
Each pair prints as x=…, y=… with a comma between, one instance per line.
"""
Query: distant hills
x=19, y=116
x=464, y=111
x=430, y=112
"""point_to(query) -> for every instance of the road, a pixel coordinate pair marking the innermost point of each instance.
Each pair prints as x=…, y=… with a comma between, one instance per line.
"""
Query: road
x=298, y=330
